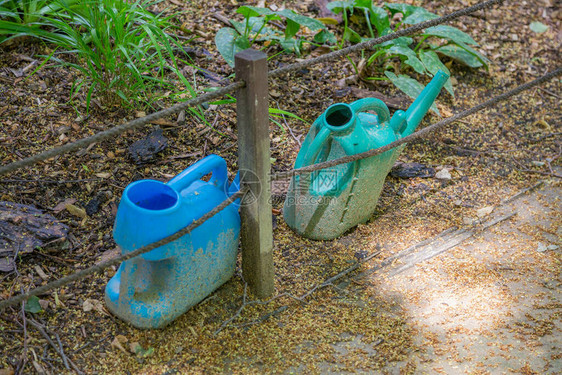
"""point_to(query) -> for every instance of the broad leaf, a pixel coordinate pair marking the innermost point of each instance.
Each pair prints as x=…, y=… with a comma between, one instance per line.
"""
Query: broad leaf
x=411, y=57
x=250, y=11
x=379, y=18
x=460, y=55
x=338, y=6
x=419, y=15
x=32, y=305
x=311, y=23
x=292, y=29
x=352, y=36
x=229, y=42
x=324, y=36
x=433, y=65
x=450, y=33
x=409, y=86
x=538, y=27
x=402, y=41
x=405, y=9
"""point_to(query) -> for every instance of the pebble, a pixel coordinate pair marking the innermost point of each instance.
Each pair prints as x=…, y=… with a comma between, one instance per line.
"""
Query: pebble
x=443, y=174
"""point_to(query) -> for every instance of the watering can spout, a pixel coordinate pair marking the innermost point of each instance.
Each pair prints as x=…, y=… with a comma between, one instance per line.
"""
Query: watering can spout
x=421, y=105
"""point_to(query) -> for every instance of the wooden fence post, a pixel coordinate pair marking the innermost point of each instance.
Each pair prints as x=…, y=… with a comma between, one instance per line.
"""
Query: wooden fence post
x=254, y=164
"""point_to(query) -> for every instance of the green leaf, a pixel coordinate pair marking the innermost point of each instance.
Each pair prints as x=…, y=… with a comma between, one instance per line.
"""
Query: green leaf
x=405, y=9
x=471, y=58
x=450, y=33
x=538, y=27
x=411, y=57
x=324, y=36
x=433, y=65
x=250, y=11
x=419, y=15
x=279, y=113
x=311, y=23
x=229, y=42
x=379, y=18
x=409, y=86
x=338, y=6
x=352, y=36
x=401, y=41
x=32, y=305
x=292, y=29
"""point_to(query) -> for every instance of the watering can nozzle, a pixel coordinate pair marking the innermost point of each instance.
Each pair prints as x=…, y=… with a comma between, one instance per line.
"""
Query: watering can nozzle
x=421, y=105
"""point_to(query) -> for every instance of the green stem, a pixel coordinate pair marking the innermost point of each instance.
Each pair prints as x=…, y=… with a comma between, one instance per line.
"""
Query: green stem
x=344, y=28
x=377, y=79
x=258, y=33
x=353, y=64
x=369, y=24
x=420, y=43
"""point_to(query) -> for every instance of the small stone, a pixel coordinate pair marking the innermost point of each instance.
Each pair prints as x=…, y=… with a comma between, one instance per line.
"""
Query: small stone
x=443, y=174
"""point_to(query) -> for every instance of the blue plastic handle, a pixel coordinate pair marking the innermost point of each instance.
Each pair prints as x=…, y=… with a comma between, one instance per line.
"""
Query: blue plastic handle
x=211, y=164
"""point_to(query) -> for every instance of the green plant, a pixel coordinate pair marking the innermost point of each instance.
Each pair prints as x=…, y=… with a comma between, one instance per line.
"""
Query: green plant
x=25, y=17
x=421, y=54
x=257, y=27
x=122, y=50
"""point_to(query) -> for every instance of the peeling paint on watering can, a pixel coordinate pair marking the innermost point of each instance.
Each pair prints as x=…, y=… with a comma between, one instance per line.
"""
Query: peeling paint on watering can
x=324, y=204
x=153, y=289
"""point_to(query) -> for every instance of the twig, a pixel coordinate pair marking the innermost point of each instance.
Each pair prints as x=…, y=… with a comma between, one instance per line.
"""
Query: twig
x=550, y=93
x=288, y=127
x=24, y=360
x=57, y=349
x=222, y=18
x=64, y=359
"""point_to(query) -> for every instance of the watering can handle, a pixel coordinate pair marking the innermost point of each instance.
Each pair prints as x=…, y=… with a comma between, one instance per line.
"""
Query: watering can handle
x=315, y=148
x=372, y=104
x=211, y=164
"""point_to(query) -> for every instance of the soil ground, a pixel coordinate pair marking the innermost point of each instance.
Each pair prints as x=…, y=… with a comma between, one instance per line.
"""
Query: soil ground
x=491, y=304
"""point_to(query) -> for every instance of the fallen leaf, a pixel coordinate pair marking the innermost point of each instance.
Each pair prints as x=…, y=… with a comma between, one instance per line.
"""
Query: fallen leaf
x=32, y=305
x=76, y=211
x=6, y=371
x=538, y=27
x=93, y=304
x=61, y=206
x=118, y=342
x=103, y=174
x=137, y=349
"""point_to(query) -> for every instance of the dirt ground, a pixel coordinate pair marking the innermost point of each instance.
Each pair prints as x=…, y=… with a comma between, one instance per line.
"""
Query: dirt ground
x=489, y=304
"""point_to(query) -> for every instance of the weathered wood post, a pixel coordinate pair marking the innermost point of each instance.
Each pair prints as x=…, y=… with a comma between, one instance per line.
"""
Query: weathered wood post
x=254, y=164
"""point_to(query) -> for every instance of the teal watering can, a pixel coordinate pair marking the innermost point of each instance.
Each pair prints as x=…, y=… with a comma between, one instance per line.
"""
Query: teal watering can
x=151, y=290
x=324, y=204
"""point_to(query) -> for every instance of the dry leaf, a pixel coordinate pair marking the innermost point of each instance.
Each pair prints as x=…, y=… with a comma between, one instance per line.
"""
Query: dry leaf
x=103, y=174
x=61, y=206
x=118, y=342
x=76, y=211
x=93, y=304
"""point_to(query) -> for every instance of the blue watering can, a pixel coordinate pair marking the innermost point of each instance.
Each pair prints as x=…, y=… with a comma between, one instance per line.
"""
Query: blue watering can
x=151, y=290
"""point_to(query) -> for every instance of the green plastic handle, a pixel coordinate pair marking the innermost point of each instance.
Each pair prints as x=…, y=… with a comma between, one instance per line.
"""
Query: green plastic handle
x=372, y=104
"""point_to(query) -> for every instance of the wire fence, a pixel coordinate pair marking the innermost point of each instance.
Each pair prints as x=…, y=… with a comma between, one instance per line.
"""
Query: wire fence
x=240, y=195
